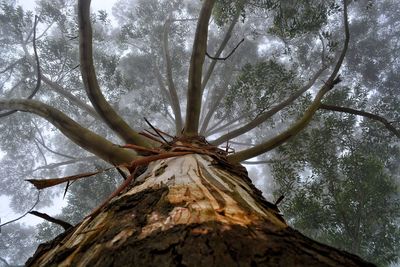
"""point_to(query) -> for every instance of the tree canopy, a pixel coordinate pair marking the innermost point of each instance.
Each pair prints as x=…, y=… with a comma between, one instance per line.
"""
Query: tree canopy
x=307, y=90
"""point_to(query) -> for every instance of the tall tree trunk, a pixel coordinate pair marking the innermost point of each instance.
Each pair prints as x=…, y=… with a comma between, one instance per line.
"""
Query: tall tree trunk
x=188, y=211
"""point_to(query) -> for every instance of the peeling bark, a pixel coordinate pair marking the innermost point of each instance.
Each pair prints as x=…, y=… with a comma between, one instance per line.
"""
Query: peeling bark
x=188, y=211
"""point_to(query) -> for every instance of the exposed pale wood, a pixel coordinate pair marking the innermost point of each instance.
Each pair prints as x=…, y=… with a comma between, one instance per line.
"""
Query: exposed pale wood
x=184, y=211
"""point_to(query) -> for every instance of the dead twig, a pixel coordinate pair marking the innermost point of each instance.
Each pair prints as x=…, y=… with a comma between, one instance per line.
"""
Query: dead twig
x=230, y=54
x=47, y=217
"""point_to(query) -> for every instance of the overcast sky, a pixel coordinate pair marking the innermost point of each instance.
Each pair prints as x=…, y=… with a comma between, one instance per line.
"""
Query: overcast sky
x=6, y=213
x=96, y=4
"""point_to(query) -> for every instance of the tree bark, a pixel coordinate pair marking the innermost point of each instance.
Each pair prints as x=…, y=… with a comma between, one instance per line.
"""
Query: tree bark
x=188, y=211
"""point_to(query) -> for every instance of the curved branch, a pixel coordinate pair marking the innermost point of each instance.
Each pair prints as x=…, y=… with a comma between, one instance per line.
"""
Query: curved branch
x=221, y=48
x=210, y=70
x=26, y=213
x=38, y=71
x=368, y=115
x=113, y=120
x=305, y=120
x=171, y=85
x=194, y=95
x=81, y=136
x=268, y=114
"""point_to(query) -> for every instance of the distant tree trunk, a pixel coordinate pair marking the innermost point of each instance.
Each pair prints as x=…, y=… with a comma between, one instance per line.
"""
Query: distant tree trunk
x=188, y=211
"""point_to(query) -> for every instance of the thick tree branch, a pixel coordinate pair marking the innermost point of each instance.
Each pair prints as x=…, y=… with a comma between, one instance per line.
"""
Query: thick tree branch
x=307, y=116
x=268, y=114
x=209, y=72
x=194, y=95
x=81, y=136
x=43, y=143
x=113, y=120
x=368, y=115
x=59, y=89
x=175, y=104
x=221, y=48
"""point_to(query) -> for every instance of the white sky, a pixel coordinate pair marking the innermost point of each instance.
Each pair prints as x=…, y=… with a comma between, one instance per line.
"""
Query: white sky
x=6, y=213
x=96, y=4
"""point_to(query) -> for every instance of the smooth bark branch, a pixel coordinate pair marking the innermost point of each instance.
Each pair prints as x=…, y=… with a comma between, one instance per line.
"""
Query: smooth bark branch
x=209, y=72
x=268, y=114
x=81, y=136
x=175, y=104
x=368, y=115
x=221, y=48
x=110, y=116
x=305, y=120
x=194, y=95
x=59, y=89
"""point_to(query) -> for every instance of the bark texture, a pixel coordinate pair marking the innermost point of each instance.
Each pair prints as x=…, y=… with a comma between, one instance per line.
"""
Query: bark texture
x=188, y=211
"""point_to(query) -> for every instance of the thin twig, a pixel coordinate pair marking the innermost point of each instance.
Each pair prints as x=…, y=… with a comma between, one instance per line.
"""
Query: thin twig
x=230, y=54
x=368, y=115
x=47, y=217
x=158, y=133
x=38, y=71
x=23, y=215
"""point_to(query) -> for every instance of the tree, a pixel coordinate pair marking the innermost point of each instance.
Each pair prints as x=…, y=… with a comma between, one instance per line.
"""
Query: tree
x=184, y=201
x=333, y=195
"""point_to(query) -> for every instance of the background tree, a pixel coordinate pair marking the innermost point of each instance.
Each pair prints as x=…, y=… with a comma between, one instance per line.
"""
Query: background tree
x=288, y=61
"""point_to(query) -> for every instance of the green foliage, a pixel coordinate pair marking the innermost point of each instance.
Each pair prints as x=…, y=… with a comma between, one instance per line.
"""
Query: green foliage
x=17, y=243
x=293, y=18
x=338, y=176
x=259, y=86
x=290, y=18
x=340, y=185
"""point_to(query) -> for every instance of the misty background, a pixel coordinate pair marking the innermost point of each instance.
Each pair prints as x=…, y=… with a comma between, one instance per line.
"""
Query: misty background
x=340, y=176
